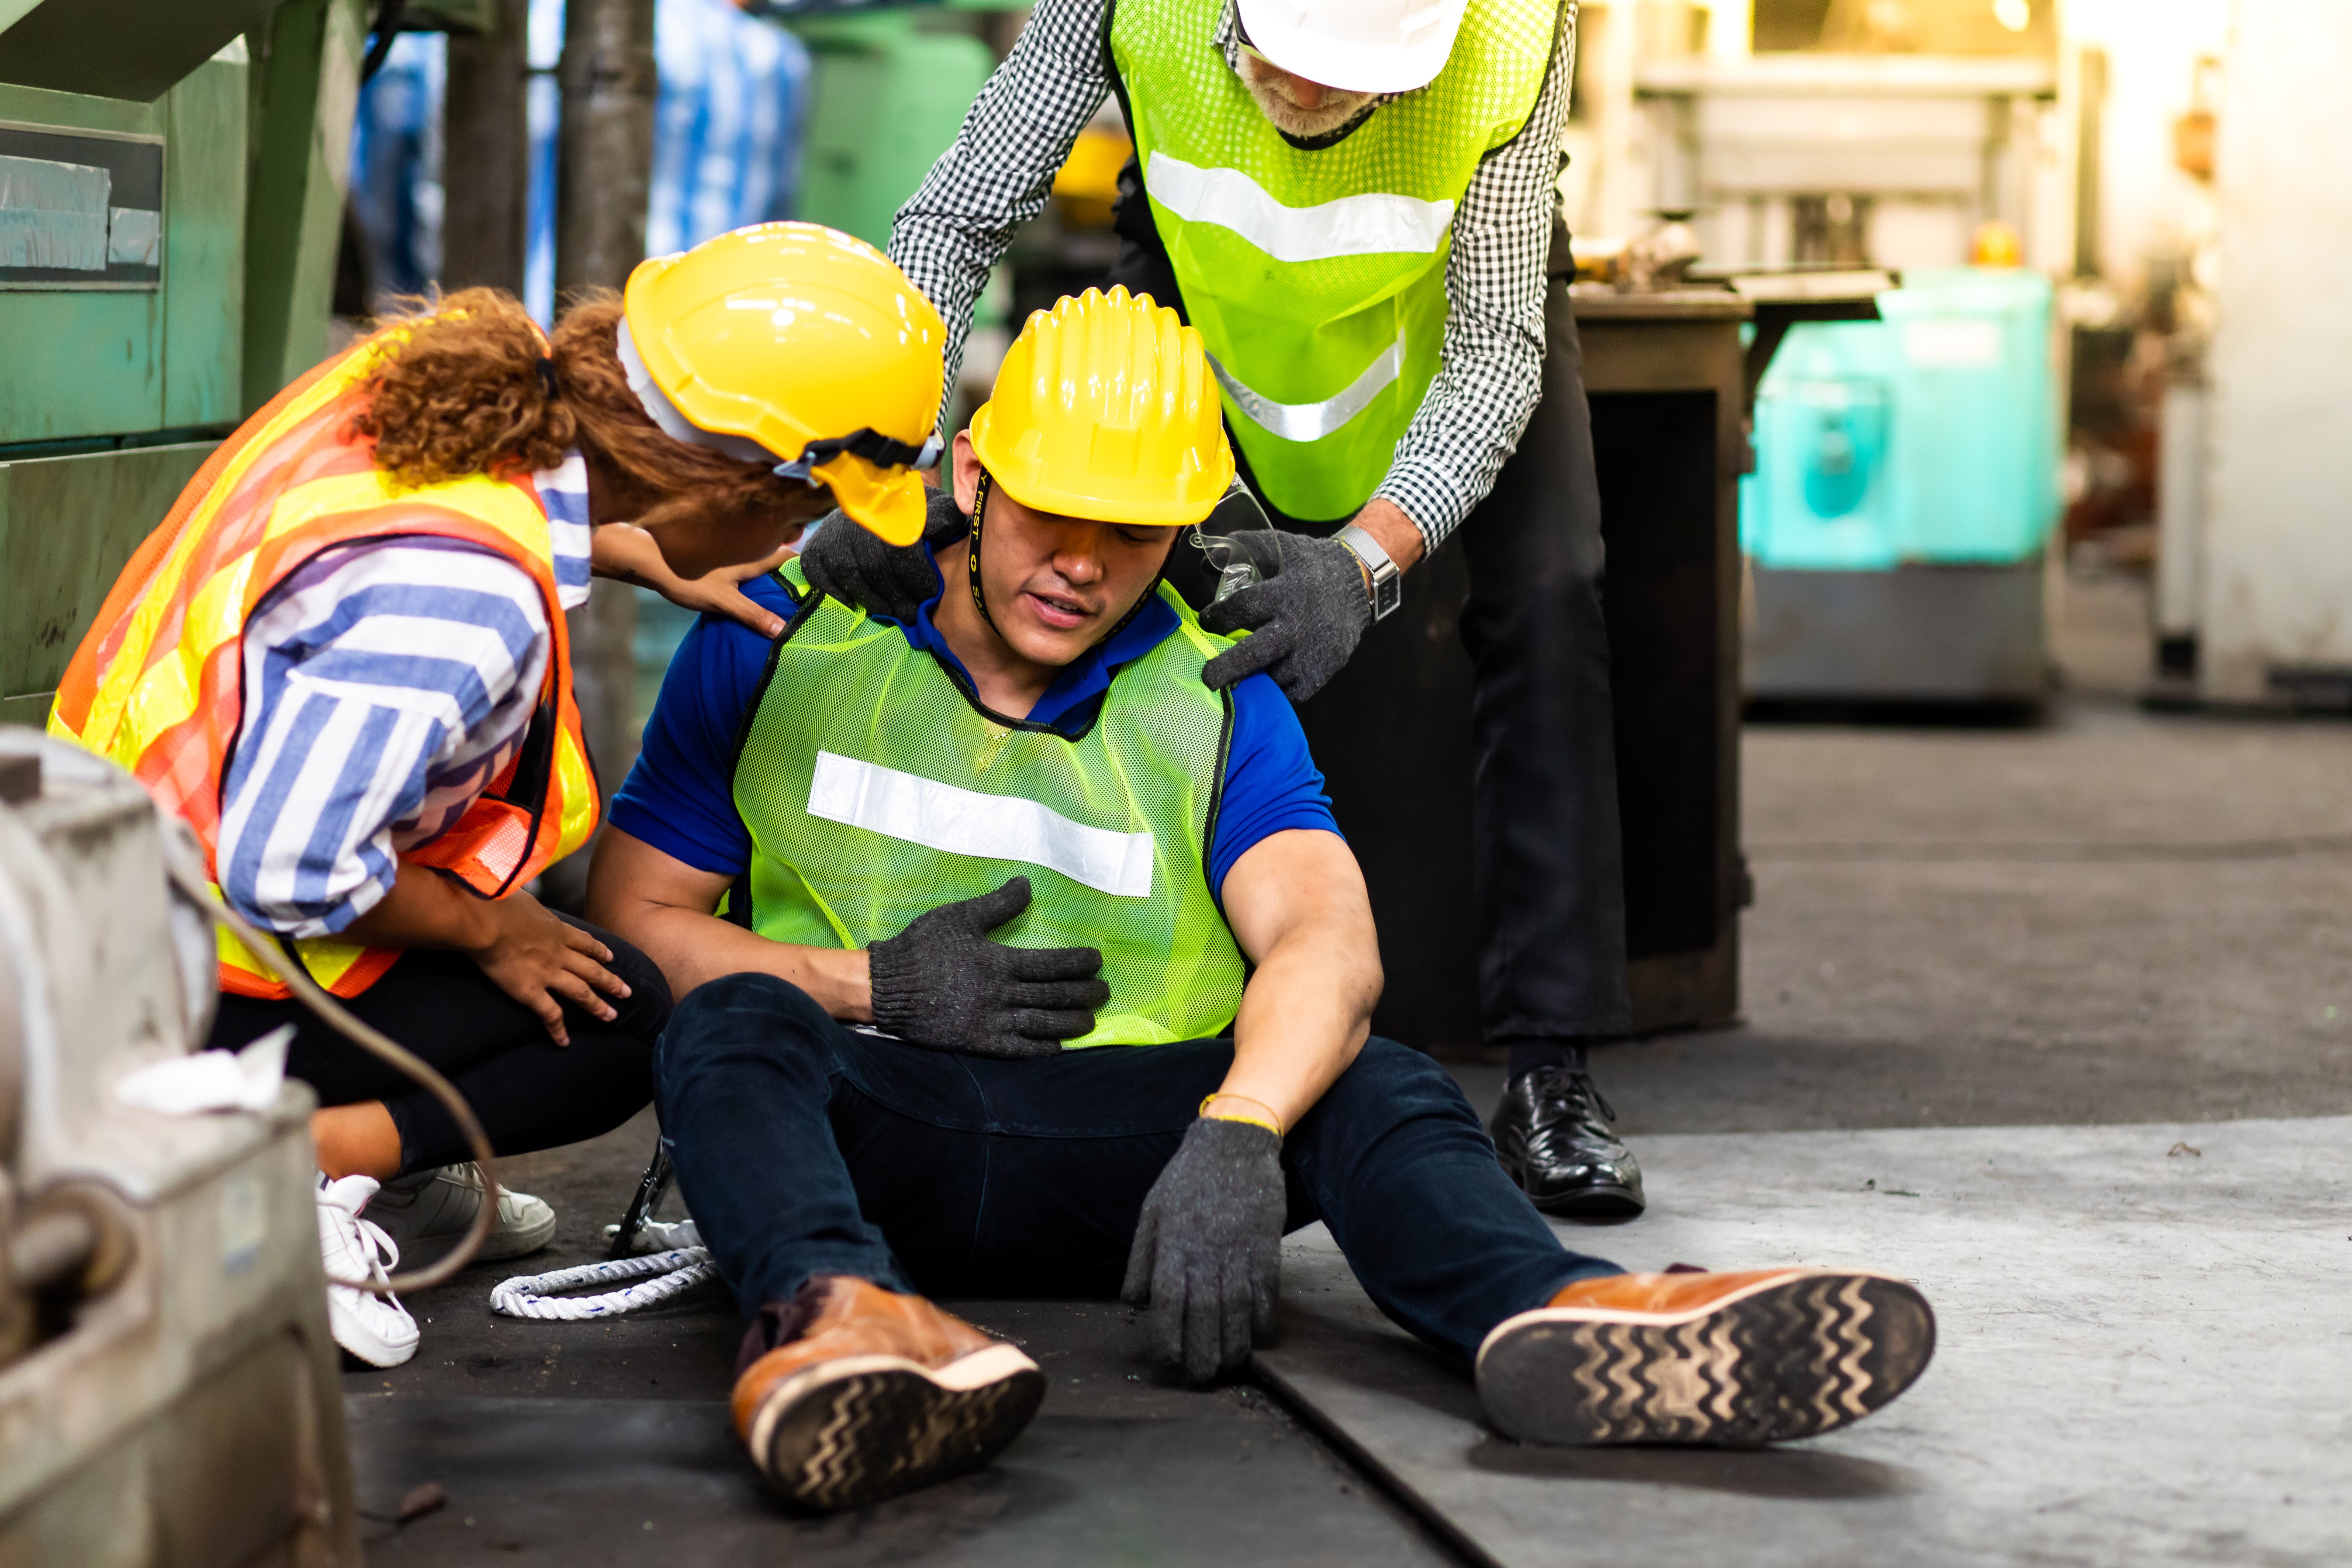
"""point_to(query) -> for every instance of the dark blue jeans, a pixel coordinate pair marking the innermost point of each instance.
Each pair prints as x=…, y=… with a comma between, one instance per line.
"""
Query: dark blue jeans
x=804, y=1148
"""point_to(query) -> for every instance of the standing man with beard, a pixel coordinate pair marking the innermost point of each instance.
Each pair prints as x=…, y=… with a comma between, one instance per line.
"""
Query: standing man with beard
x=1353, y=201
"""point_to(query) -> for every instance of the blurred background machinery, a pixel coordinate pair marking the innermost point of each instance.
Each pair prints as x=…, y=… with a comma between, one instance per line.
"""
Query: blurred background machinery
x=1846, y=160
x=1906, y=483
x=1905, y=470
x=171, y=187
x=169, y=1393
x=2096, y=135
x=2256, y=434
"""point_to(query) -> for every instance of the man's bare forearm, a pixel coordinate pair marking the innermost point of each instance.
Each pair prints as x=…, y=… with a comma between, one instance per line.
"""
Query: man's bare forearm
x=1299, y=907
x=1306, y=1012
x=665, y=908
x=693, y=948
x=1393, y=532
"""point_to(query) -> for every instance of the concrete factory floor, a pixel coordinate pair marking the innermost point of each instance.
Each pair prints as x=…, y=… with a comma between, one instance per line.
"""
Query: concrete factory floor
x=2054, y=1021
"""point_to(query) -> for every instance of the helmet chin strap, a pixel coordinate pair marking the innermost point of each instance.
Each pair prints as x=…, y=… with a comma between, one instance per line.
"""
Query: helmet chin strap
x=971, y=551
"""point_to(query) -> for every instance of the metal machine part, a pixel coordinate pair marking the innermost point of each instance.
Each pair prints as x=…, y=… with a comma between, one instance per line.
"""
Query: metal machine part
x=1662, y=257
x=141, y=141
x=650, y=1189
x=168, y=1388
x=1906, y=480
x=1845, y=159
x=183, y=865
x=1964, y=634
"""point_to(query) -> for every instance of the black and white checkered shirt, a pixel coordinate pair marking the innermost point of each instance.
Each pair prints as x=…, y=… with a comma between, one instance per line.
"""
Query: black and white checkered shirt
x=1000, y=170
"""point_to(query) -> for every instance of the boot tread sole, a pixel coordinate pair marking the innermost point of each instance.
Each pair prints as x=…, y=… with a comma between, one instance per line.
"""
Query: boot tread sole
x=1786, y=1358
x=859, y=1429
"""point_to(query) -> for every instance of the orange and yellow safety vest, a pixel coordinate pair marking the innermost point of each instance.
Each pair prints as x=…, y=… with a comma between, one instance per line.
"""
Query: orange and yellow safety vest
x=156, y=685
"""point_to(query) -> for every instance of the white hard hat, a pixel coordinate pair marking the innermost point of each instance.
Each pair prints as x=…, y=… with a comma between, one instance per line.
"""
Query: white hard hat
x=1358, y=45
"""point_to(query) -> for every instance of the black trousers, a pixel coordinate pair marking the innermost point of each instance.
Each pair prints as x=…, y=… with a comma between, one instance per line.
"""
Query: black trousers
x=530, y=1092
x=1548, y=858
x=805, y=1147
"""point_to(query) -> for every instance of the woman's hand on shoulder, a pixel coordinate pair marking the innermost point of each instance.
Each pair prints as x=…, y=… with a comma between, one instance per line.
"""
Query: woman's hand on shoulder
x=628, y=553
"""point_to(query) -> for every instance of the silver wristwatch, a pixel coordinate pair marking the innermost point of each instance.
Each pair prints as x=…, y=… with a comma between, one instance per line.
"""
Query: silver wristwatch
x=1384, y=584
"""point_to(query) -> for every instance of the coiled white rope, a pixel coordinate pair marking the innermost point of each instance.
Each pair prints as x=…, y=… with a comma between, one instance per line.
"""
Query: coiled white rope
x=673, y=1273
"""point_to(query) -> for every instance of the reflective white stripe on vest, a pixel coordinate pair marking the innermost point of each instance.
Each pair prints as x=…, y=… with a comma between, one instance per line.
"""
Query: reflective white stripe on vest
x=1313, y=421
x=989, y=826
x=1373, y=224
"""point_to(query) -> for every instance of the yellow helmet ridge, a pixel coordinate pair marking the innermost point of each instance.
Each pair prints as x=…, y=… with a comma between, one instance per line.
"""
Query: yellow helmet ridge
x=1106, y=409
x=794, y=336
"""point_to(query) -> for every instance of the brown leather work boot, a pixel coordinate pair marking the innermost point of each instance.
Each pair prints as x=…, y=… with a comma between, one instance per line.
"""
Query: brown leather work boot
x=1728, y=1360
x=879, y=1394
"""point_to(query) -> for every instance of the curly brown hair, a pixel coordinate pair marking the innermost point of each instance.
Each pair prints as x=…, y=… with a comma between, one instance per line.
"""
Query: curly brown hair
x=462, y=391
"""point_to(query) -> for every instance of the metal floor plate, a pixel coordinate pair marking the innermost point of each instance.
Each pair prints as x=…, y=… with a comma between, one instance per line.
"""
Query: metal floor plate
x=2143, y=1358
x=1121, y=1467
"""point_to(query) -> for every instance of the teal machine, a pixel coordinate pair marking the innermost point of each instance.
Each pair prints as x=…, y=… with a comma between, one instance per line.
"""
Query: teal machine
x=1906, y=486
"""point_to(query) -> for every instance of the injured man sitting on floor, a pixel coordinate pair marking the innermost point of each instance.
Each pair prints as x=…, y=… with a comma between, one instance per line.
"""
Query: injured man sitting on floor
x=1016, y=961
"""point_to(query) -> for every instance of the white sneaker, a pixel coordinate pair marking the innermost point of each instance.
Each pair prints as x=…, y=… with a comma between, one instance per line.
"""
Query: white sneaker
x=376, y=1329
x=426, y=1212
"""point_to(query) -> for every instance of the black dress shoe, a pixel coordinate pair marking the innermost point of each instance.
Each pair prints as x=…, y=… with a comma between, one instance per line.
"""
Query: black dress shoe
x=1552, y=1133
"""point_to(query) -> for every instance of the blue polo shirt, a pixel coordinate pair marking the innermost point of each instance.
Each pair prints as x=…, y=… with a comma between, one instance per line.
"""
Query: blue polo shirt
x=679, y=797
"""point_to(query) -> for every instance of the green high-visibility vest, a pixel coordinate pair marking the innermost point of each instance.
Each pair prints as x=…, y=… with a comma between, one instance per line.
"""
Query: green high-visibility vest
x=1318, y=278
x=876, y=789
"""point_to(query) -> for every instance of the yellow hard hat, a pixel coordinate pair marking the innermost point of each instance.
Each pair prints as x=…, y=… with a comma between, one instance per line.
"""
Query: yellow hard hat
x=795, y=345
x=1105, y=409
x=1996, y=245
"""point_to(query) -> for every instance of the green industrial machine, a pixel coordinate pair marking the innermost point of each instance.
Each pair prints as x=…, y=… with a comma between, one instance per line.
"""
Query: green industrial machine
x=890, y=88
x=171, y=195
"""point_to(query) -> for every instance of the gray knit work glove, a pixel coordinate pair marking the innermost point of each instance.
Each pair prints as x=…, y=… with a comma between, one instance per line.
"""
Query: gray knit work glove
x=941, y=982
x=1303, y=616
x=846, y=561
x=1208, y=1250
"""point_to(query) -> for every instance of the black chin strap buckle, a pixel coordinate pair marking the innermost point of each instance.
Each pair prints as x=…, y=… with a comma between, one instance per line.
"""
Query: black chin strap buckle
x=882, y=451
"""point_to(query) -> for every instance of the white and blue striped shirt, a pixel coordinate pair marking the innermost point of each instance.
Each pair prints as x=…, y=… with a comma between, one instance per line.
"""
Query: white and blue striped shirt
x=726, y=126
x=385, y=684
x=726, y=129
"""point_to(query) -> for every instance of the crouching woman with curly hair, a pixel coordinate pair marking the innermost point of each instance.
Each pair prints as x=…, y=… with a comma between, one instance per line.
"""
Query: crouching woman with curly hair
x=342, y=659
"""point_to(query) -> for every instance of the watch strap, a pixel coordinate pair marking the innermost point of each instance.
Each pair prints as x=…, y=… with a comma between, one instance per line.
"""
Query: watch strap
x=1384, y=584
